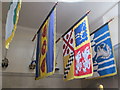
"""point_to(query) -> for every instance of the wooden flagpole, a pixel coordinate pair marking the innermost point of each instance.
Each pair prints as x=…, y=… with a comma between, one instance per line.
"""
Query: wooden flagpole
x=90, y=34
x=73, y=26
x=44, y=21
x=102, y=26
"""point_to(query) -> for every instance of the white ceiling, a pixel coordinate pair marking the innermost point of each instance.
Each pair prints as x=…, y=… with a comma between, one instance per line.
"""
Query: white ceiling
x=32, y=14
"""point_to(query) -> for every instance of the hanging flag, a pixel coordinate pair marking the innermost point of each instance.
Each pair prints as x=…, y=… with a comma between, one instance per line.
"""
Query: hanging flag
x=102, y=51
x=46, y=48
x=68, y=55
x=77, y=52
x=12, y=20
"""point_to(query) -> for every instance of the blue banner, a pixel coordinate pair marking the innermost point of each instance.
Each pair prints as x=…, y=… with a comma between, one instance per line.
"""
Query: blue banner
x=103, y=57
x=46, y=48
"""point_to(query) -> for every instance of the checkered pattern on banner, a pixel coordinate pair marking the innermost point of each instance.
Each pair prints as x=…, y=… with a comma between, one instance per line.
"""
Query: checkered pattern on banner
x=68, y=65
x=77, y=52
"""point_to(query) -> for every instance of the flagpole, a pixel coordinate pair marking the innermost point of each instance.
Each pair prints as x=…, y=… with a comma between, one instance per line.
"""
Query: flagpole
x=102, y=26
x=44, y=21
x=73, y=26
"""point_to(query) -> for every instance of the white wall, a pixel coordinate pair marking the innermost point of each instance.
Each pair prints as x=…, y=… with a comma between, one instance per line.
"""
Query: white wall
x=113, y=26
x=0, y=42
x=59, y=54
x=93, y=26
x=20, y=51
x=22, y=81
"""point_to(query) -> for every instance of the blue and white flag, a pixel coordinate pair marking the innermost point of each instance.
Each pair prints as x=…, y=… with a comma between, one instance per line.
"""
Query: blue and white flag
x=103, y=58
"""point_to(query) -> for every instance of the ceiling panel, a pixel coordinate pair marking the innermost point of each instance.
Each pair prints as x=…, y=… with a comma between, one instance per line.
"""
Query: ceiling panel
x=32, y=14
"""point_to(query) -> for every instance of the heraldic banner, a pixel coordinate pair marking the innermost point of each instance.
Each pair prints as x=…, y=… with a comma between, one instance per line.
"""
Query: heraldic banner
x=12, y=20
x=77, y=52
x=103, y=59
x=46, y=49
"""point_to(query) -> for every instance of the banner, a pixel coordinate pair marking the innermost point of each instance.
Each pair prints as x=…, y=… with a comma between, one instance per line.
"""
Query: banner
x=12, y=20
x=46, y=47
x=77, y=52
x=102, y=51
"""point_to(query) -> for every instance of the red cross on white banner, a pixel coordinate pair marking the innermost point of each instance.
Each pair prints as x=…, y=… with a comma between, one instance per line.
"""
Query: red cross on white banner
x=68, y=45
